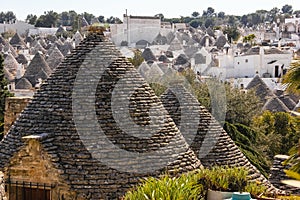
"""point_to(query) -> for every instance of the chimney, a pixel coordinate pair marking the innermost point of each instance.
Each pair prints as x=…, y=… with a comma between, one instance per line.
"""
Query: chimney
x=13, y=107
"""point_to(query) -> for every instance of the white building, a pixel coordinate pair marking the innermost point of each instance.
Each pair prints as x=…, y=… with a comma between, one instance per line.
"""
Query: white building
x=41, y=31
x=266, y=62
x=134, y=29
x=19, y=26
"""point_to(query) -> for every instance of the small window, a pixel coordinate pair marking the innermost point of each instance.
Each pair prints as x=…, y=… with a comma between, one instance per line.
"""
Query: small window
x=238, y=63
x=246, y=60
x=26, y=193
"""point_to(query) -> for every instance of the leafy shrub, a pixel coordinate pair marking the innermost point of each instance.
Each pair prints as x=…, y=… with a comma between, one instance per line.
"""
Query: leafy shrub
x=194, y=185
x=167, y=188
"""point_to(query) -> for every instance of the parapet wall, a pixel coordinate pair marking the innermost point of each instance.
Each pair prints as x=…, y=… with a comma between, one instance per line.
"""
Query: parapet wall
x=13, y=107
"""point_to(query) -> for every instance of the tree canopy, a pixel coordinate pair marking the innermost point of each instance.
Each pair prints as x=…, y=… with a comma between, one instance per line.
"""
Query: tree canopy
x=7, y=17
x=3, y=94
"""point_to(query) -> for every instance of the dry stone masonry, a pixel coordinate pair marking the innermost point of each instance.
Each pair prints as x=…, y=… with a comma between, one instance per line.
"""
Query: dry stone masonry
x=277, y=174
x=57, y=133
x=13, y=107
x=211, y=143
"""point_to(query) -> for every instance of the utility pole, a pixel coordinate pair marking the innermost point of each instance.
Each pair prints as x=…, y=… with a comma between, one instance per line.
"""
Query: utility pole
x=127, y=24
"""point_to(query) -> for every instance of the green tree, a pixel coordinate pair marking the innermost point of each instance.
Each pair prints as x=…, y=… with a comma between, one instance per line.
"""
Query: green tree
x=88, y=17
x=287, y=9
x=113, y=20
x=195, y=23
x=8, y=17
x=137, y=58
x=49, y=19
x=161, y=16
x=101, y=19
x=248, y=140
x=4, y=93
x=232, y=20
x=209, y=12
x=241, y=106
x=195, y=14
x=31, y=19
x=232, y=33
x=281, y=131
x=209, y=22
x=292, y=77
x=244, y=20
x=221, y=15
x=64, y=18
x=255, y=19
x=249, y=38
x=297, y=13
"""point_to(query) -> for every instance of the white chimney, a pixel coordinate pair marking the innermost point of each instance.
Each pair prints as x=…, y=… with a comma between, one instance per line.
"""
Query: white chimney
x=20, y=71
x=192, y=62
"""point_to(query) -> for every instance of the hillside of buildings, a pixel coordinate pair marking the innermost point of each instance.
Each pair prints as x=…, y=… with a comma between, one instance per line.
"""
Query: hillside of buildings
x=232, y=68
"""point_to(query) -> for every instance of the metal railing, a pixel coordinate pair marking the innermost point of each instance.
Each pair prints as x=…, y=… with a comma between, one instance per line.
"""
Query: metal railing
x=22, y=190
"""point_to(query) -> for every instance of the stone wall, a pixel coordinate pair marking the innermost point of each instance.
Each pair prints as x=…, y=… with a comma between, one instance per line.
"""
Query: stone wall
x=277, y=174
x=2, y=187
x=33, y=164
x=13, y=107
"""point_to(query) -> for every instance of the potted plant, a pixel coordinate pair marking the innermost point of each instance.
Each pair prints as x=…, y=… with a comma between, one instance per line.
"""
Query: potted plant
x=226, y=183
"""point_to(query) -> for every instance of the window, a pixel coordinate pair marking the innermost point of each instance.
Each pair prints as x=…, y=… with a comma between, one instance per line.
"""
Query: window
x=277, y=71
x=25, y=193
x=238, y=63
x=246, y=60
x=28, y=190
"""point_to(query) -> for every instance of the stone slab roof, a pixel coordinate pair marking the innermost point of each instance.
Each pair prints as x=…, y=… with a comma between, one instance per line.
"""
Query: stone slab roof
x=36, y=66
x=277, y=174
x=210, y=142
x=17, y=41
x=54, y=58
x=260, y=87
x=100, y=164
x=275, y=105
x=11, y=64
x=148, y=55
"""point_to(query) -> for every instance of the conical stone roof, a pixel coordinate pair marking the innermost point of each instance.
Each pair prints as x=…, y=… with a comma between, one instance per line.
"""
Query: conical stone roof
x=11, y=64
x=23, y=84
x=288, y=102
x=55, y=58
x=175, y=45
x=221, y=41
x=17, y=41
x=143, y=69
x=260, y=87
x=160, y=40
x=275, y=105
x=77, y=38
x=22, y=59
x=37, y=64
x=10, y=49
x=10, y=77
x=38, y=48
x=148, y=55
x=2, y=40
x=100, y=154
x=154, y=73
x=208, y=140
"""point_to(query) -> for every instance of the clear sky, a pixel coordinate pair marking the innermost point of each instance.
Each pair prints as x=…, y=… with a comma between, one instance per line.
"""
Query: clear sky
x=117, y=8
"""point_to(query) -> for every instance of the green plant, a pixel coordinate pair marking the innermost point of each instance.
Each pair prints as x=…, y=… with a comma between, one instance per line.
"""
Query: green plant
x=167, y=188
x=255, y=189
x=224, y=178
x=4, y=93
x=293, y=161
x=194, y=185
